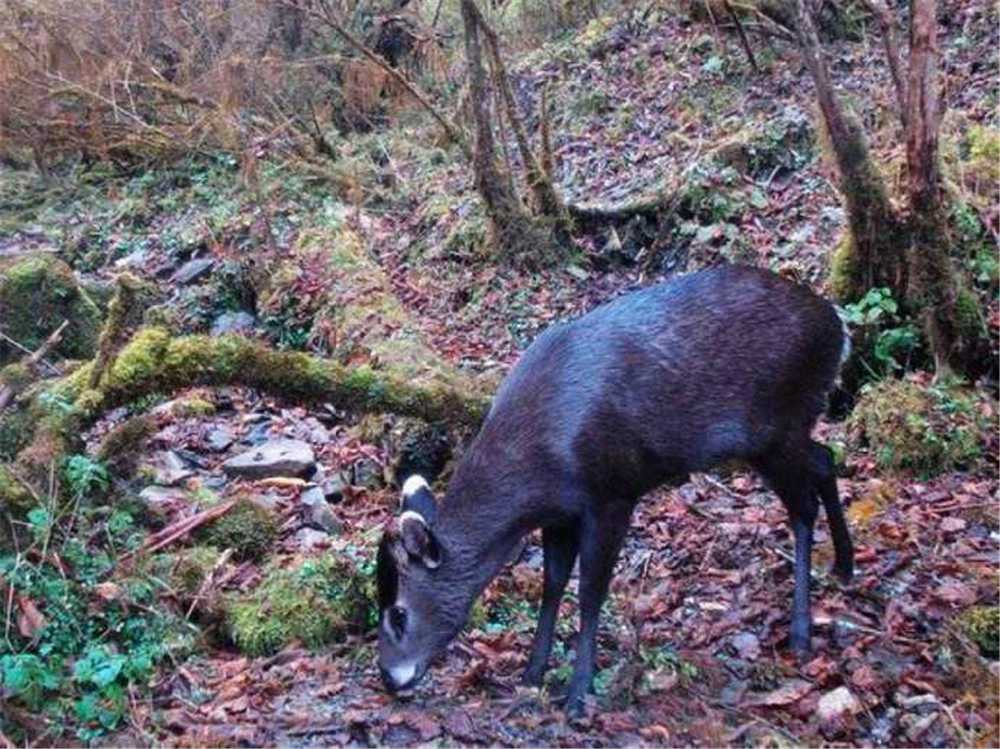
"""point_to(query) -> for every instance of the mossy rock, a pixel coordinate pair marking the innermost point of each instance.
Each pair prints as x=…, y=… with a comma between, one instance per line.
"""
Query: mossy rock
x=37, y=293
x=981, y=624
x=313, y=601
x=185, y=571
x=15, y=502
x=248, y=529
x=192, y=408
x=124, y=445
x=927, y=429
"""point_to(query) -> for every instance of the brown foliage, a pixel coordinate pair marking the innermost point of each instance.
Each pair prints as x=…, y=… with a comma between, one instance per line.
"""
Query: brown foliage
x=127, y=78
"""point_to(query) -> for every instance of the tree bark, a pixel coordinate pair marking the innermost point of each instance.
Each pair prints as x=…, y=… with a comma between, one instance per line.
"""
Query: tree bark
x=507, y=216
x=875, y=232
x=546, y=198
x=931, y=276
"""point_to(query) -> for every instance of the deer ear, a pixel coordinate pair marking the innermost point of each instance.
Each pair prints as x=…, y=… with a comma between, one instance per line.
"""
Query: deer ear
x=417, y=497
x=418, y=539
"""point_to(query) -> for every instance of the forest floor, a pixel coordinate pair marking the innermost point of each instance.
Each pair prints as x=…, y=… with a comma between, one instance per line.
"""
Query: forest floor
x=694, y=638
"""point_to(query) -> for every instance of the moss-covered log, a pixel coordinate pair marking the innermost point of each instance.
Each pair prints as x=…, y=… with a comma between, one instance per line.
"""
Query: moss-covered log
x=154, y=361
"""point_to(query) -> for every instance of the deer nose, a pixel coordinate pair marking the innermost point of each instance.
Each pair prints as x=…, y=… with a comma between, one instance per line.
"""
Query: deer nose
x=398, y=678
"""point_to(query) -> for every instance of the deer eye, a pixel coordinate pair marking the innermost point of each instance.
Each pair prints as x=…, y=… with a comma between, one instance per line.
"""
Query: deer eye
x=397, y=620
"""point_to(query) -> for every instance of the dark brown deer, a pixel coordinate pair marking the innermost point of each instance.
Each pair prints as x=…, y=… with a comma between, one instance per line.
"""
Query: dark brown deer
x=731, y=362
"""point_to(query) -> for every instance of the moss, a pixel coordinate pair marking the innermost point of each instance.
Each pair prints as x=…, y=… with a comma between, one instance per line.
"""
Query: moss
x=981, y=624
x=909, y=425
x=968, y=315
x=15, y=502
x=186, y=570
x=313, y=601
x=844, y=269
x=249, y=530
x=16, y=375
x=191, y=408
x=37, y=294
x=984, y=154
x=140, y=359
x=132, y=297
x=123, y=446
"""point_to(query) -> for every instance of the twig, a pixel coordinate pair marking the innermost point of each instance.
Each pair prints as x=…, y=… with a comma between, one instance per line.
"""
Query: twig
x=181, y=528
x=328, y=18
x=209, y=580
x=743, y=35
x=8, y=392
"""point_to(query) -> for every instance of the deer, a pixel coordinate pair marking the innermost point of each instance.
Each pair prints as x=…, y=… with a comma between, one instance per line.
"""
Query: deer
x=728, y=363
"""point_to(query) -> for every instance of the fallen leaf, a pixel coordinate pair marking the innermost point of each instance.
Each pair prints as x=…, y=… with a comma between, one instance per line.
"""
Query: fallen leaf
x=837, y=704
x=107, y=591
x=956, y=593
x=952, y=525
x=30, y=621
x=791, y=691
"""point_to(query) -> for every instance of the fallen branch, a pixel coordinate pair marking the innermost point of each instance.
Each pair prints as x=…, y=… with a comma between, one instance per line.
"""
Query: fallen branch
x=180, y=529
x=156, y=362
x=10, y=391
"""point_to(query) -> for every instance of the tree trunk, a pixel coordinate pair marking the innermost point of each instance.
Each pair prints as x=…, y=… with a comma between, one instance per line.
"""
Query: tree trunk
x=547, y=201
x=874, y=254
x=932, y=283
x=509, y=223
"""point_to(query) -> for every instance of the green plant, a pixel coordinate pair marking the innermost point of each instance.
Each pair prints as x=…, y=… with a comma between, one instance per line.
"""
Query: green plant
x=94, y=636
x=247, y=528
x=926, y=428
x=314, y=601
x=85, y=477
x=887, y=339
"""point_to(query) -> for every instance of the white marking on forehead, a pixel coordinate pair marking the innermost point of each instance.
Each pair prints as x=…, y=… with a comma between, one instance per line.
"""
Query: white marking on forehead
x=402, y=674
x=411, y=515
x=415, y=483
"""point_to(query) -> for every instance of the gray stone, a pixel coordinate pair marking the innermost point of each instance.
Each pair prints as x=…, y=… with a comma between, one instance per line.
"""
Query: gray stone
x=317, y=512
x=269, y=501
x=233, y=322
x=334, y=485
x=160, y=499
x=747, y=645
x=274, y=458
x=219, y=439
x=192, y=270
x=837, y=704
x=310, y=539
x=367, y=474
x=169, y=468
x=258, y=433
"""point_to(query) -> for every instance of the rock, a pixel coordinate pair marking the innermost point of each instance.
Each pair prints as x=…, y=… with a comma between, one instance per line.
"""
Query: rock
x=367, y=473
x=233, y=322
x=269, y=501
x=916, y=726
x=219, y=439
x=310, y=539
x=318, y=512
x=274, y=458
x=160, y=499
x=132, y=260
x=192, y=270
x=333, y=486
x=747, y=645
x=837, y=704
x=919, y=703
x=258, y=433
x=169, y=468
